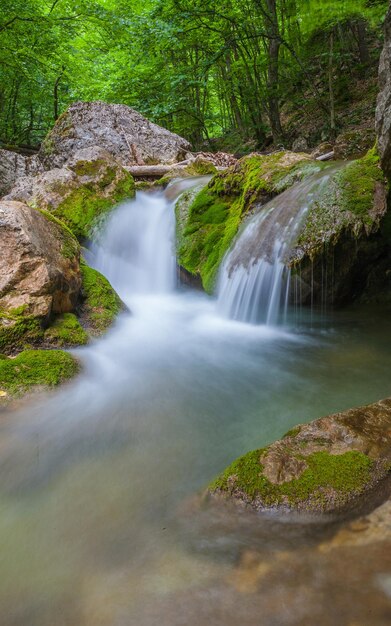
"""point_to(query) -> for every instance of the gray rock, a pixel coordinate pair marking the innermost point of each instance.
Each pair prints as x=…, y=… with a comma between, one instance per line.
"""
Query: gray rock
x=13, y=166
x=300, y=145
x=383, y=109
x=117, y=128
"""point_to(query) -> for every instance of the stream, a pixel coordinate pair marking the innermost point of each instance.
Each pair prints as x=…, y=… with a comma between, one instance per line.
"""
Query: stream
x=99, y=522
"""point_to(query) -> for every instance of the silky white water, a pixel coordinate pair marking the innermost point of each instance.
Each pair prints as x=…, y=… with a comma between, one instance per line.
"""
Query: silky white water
x=254, y=284
x=97, y=526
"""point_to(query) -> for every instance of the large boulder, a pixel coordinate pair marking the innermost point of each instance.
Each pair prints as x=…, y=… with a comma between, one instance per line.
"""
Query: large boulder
x=88, y=185
x=39, y=272
x=330, y=465
x=122, y=131
x=13, y=166
x=383, y=109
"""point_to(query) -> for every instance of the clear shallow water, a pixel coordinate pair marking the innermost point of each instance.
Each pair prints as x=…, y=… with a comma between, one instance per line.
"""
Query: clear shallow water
x=97, y=525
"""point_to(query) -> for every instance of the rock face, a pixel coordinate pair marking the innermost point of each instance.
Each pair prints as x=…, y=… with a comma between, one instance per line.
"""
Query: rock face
x=13, y=166
x=39, y=264
x=330, y=465
x=117, y=128
x=383, y=110
x=89, y=184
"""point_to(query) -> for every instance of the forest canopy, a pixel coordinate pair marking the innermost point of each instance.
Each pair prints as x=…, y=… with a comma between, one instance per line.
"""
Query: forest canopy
x=230, y=73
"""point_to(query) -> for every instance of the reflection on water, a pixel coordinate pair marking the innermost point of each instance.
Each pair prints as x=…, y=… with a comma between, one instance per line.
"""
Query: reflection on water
x=97, y=521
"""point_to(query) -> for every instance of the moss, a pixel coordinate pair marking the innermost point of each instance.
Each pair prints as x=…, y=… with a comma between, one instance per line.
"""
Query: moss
x=84, y=205
x=70, y=245
x=344, y=475
x=217, y=211
x=346, y=203
x=101, y=303
x=18, y=330
x=65, y=331
x=35, y=368
x=292, y=433
x=200, y=167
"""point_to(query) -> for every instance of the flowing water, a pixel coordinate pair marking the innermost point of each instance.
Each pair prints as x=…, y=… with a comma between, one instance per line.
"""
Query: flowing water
x=255, y=282
x=98, y=526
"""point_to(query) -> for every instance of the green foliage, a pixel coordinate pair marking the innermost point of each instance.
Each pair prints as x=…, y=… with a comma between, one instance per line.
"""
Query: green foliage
x=101, y=303
x=346, y=474
x=65, y=331
x=191, y=65
x=33, y=368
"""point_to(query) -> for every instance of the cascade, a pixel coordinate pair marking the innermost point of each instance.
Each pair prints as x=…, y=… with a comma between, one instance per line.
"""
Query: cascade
x=254, y=281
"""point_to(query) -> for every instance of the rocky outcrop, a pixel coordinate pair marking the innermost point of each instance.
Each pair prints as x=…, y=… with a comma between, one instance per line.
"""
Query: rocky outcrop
x=383, y=109
x=87, y=186
x=330, y=465
x=39, y=272
x=117, y=128
x=13, y=166
x=208, y=222
x=342, y=252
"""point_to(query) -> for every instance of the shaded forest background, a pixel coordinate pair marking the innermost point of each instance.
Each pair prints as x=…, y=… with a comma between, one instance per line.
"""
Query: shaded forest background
x=237, y=75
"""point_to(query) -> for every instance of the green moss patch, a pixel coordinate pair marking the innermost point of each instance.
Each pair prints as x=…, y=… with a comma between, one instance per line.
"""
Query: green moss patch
x=347, y=203
x=326, y=476
x=101, y=303
x=65, y=331
x=84, y=205
x=33, y=368
x=70, y=246
x=217, y=211
x=18, y=331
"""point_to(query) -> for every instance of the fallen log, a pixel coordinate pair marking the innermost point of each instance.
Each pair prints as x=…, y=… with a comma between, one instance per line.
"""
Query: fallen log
x=153, y=171
x=326, y=157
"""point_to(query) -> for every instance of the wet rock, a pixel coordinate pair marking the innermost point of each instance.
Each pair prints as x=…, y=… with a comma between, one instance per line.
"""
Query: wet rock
x=383, y=109
x=39, y=272
x=117, y=128
x=208, y=221
x=342, y=252
x=331, y=465
x=87, y=186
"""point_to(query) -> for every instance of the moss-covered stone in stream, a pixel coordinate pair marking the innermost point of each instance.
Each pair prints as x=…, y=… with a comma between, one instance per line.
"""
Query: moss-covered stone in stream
x=101, y=303
x=215, y=214
x=35, y=368
x=347, y=203
x=82, y=207
x=65, y=331
x=70, y=245
x=338, y=474
x=18, y=331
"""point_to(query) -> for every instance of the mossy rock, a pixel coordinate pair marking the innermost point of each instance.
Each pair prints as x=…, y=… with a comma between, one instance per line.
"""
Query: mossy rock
x=35, y=369
x=330, y=465
x=18, y=331
x=86, y=204
x=101, y=303
x=215, y=214
x=65, y=331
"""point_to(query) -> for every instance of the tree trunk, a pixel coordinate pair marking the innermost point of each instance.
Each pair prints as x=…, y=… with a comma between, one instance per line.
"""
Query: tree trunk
x=331, y=88
x=271, y=24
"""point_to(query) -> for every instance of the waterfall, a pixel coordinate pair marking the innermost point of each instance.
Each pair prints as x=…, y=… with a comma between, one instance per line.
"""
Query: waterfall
x=254, y=280
x=136, y=250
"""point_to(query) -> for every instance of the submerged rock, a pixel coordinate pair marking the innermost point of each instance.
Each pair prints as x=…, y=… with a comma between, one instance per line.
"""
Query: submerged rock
x=87, y=186
x=117, y=128
x=330, y=465
x=383, y=109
